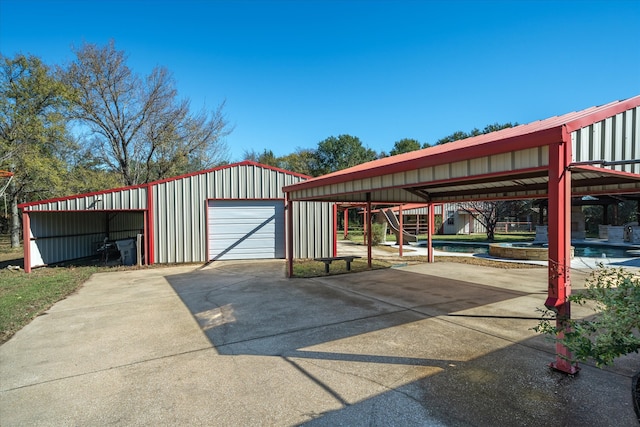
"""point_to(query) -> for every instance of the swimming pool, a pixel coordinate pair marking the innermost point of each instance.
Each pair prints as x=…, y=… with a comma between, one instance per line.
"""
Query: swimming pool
x=586, y=250
x=466, y=248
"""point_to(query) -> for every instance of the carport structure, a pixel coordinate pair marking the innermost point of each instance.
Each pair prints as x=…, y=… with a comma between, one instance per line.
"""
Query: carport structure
x=590, y=152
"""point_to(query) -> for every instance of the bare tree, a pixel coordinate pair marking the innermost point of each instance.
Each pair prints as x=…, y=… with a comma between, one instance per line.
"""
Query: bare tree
x=136, y=126
x=489, y=213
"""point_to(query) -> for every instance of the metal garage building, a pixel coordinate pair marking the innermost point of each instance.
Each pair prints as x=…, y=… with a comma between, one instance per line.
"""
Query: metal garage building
x=231, y=212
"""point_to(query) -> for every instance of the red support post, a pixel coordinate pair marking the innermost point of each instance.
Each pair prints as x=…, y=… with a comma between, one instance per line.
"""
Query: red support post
x=368, y=225
x=345, y=221
x=151, y=225
x=334, y=232
x=430, y=223
x=559, y=222
x=26, y=241
x=145, y=244
x=289, y=238
x=401, y=231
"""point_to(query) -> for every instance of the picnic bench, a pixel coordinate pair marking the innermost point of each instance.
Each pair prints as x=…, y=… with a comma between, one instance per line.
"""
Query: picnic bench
x=328, y=260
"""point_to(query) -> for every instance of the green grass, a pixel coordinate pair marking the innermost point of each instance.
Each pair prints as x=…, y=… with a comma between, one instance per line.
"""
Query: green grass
x=305, y=268
x=8, y=253
x=25, y=296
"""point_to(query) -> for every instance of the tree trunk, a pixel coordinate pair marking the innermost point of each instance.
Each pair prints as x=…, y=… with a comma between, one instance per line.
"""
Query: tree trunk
x=14, y=228
x=491, y=232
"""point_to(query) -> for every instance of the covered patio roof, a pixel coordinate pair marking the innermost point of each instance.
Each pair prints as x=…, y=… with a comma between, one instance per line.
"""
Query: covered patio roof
x=590, y=152
x=508, y=164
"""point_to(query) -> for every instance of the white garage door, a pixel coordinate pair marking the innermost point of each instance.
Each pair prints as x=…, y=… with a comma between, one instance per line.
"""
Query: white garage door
x=246, y=229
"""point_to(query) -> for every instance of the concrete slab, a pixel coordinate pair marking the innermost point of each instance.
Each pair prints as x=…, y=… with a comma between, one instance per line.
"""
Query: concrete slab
x=236, y=343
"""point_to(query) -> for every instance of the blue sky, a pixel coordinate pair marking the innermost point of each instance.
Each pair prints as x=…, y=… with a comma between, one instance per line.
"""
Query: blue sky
x=293, y=73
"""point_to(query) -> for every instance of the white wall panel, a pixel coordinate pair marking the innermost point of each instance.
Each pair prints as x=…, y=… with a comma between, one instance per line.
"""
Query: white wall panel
x=616, y=138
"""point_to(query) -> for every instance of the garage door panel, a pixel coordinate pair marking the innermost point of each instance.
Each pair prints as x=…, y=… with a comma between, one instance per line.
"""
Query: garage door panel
x=246, y=229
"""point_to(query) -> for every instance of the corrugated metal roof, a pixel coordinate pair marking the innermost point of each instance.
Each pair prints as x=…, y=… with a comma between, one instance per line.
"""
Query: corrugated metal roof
x=510, y=163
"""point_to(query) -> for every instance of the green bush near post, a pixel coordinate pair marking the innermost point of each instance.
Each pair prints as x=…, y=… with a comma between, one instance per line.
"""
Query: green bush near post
x=377, y=233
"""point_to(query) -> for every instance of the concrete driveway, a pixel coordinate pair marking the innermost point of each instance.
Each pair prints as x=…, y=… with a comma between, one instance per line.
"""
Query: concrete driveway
x=239, y=344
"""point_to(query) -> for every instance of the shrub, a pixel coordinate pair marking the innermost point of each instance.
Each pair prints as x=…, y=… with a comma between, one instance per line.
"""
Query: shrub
x=377, y=233
x=614, y=330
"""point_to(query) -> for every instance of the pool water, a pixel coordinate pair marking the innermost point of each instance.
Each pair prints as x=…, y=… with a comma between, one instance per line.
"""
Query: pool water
x=581, y=250
x=587, y=251
x=461, y=248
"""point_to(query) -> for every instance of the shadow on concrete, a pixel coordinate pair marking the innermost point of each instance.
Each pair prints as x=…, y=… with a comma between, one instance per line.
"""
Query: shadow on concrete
x=635, y=262
x=455, y=360
x=237, y=309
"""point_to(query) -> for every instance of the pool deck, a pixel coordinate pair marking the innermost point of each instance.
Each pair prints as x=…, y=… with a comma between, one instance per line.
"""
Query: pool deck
x=576, y=262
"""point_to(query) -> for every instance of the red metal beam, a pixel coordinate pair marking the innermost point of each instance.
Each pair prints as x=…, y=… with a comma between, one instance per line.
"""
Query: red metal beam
x=289, y=238
x=430, y=226
x=345, y=223
x=368, y=225
x=480, y=146
x=151, y=255
x=26, y=240
x=401, y=231
x=559, y=221
x=334, y=231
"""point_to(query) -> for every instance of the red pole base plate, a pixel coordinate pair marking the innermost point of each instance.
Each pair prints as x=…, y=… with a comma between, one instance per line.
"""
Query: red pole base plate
x=565, y=367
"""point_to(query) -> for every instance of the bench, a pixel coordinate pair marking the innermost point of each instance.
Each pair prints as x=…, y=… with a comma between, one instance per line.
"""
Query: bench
x=328, y=260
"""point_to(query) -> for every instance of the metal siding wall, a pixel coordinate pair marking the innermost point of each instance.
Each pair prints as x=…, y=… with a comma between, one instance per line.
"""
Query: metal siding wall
x=133, y=198
x=180, y=207
x=64, y=236
x=313, y=229
x=179, y=220
x=613, y=139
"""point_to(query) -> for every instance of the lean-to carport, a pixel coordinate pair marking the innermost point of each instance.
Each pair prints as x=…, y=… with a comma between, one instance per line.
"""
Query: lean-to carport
x=591, y=152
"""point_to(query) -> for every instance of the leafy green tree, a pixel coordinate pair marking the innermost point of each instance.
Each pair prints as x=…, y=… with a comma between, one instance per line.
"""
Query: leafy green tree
x=266, y=157
x=405, y=145
x=453, y=137
x=474, y=132
x=136, y=125
x=614, y=331
x=498, y=126
x=303, y=161
x=33, y=132
x=344, y=151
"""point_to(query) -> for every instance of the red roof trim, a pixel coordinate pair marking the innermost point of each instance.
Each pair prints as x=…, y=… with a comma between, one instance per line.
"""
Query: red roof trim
x=603, y=112
x=243, y=163
x=435, y=156
x=150, y=184
x=535, y=134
